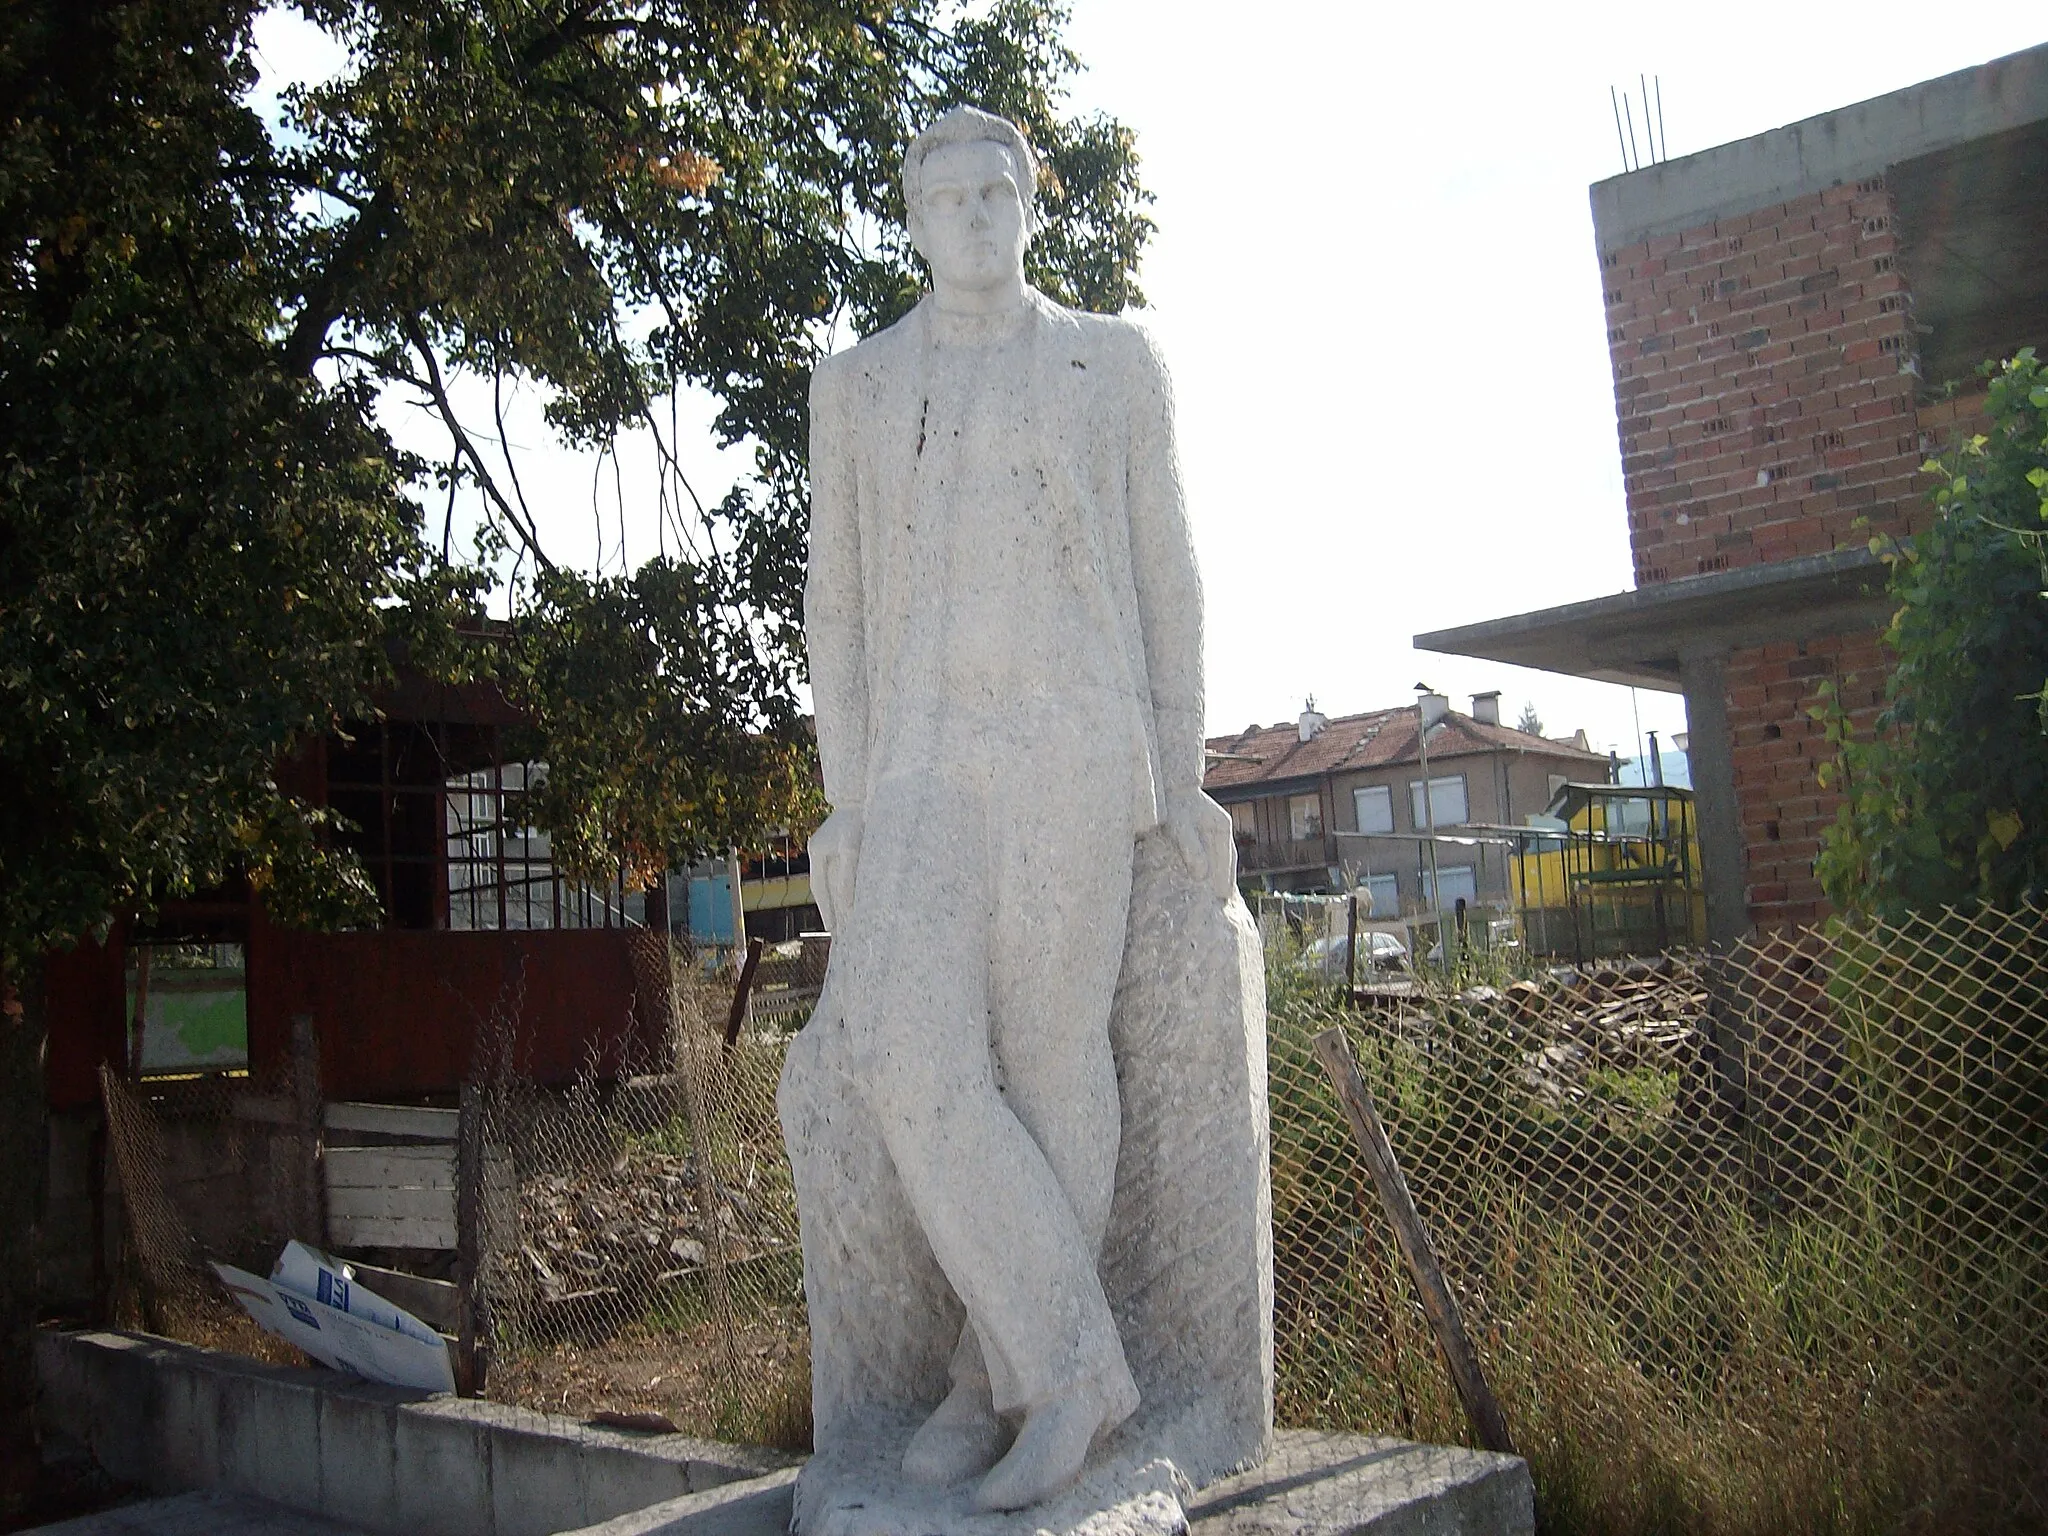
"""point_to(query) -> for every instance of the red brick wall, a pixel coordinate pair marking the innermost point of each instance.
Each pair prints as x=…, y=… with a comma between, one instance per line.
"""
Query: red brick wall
x=1777, y=748
x=1943, y=421
x=1760, y=384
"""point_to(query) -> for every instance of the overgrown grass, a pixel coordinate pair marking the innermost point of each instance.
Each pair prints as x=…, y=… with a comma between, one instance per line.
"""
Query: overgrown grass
x=1675, y=1352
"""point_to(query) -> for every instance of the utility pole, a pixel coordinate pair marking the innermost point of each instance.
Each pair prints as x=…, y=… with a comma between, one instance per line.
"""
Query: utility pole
x=1446, y=938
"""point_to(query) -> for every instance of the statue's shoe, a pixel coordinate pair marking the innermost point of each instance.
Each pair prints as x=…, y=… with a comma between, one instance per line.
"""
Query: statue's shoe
x=960, y=1440
x=1049, y=1452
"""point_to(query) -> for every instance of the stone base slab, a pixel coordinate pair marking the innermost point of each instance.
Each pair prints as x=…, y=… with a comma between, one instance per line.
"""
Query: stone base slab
x=207, y=1513
x=1333, y=1485
x=1312, y=1485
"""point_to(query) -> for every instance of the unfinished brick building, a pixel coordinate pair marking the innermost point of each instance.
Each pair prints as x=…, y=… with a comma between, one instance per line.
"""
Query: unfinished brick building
x=1795, y=320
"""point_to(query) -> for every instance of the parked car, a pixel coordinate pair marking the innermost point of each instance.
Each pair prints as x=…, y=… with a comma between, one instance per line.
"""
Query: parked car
x=1376, y=952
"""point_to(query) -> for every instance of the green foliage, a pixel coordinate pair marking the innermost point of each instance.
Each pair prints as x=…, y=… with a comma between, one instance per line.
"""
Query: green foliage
x=642, y=681
x=209, y=547
x=1948, y=802
x=197, y=548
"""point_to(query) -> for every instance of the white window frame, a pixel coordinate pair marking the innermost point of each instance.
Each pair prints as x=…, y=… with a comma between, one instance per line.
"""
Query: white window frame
x=1384, y=893
x=1383, y=820
x=1438, y=788
x=1298, y=828
x=1458, y=879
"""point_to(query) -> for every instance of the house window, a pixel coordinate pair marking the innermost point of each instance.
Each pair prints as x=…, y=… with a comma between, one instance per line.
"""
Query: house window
x=1304, y=817
x=500, y=871
x=1446, y=801
x=1375, y=807
x=1385, y=895
x=1244, y=821
x=1457, y=882
x=192, y=1001
x=1557, y=782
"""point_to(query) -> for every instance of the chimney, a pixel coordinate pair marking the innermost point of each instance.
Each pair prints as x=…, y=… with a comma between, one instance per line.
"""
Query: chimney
x=1311, y=723
x=1486, y=707
x=1434, y=707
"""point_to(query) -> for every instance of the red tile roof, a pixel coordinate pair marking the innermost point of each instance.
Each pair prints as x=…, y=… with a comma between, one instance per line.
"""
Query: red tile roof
x=1268, y=753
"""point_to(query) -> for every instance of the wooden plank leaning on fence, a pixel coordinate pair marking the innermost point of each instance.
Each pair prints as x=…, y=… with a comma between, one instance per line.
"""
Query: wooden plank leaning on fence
x=738, y=1016
x=1482, y=1411
x=472, y=1340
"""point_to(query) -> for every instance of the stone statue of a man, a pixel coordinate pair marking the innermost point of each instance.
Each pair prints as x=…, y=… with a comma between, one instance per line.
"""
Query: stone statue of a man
x=1004, y=622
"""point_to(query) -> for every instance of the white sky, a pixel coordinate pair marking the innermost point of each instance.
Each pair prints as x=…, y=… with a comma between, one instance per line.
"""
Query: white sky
x=1375, y=283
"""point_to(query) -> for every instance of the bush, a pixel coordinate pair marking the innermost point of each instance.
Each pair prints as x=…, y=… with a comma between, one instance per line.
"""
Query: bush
x=1948, y=803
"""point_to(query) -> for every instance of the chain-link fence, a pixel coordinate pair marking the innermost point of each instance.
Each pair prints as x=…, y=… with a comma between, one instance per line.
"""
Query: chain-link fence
x=173, y=1147
x=1748, y=1243
x=649, y=1266
x=1752, y=1244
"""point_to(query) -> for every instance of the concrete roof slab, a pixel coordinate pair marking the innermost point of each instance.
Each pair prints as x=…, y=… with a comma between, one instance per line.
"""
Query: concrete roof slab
x=1638, y=637
x=1845, y=145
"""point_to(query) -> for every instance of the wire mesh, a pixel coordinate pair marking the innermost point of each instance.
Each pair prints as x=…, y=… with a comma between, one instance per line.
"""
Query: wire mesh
x=1753, y=1241
x=171, y=1145
x=651, y=1265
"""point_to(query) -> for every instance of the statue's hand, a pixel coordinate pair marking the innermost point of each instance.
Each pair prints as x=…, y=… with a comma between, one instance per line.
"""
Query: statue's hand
x=1201, y=829
x=835, y=855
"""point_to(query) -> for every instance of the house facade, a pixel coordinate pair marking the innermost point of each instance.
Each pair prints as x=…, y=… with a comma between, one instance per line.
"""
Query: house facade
x=1337, y=804
x=477, y=923
x=1794, y=324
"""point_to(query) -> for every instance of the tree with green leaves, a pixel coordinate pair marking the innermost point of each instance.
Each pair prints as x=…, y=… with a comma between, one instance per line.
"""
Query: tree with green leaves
x=1529, y=720
x=1947, y=802
x=211, y=549
x=211, y=546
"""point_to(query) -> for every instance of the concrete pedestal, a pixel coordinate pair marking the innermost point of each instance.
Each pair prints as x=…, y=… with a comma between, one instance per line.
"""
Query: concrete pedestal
x=1312, y=1485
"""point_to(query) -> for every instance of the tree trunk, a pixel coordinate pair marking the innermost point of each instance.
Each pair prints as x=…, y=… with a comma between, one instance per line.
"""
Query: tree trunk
x=24, y=1155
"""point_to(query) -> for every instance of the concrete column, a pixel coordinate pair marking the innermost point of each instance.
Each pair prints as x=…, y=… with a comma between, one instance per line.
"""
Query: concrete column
x=1710, y=751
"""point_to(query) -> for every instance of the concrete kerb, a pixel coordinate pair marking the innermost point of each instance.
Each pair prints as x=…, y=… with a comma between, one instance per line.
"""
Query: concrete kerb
x=761, y=1506
x=172, y=1417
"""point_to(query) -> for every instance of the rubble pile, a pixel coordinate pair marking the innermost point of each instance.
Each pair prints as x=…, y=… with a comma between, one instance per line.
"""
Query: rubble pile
x=1572, y=1023
x=637, y=1223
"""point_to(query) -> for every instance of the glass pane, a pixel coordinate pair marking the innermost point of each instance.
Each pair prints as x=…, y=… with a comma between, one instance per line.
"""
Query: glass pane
x=1457, y=882
x=1446, y=801
x=1375, y=807
x=1305, y=817
x=195, y=1006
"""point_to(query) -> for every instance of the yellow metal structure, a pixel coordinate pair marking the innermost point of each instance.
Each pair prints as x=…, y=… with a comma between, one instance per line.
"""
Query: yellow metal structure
x=1610, y=869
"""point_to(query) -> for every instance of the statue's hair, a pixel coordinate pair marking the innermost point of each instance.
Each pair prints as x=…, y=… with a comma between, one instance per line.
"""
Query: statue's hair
x=971, y=125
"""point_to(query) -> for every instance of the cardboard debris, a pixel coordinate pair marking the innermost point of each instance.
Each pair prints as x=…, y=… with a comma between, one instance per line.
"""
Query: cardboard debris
x=313, y=1301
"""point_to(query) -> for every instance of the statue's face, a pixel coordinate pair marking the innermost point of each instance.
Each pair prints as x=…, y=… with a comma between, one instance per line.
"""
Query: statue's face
x=969, y=223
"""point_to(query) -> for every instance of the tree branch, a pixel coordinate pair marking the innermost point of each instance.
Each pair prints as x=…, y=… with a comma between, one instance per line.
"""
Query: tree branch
x=327, y=295
x=574, y=27
x=527, y=535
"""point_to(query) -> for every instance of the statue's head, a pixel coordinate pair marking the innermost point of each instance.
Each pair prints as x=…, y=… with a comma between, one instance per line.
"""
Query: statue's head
x=970, y=184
